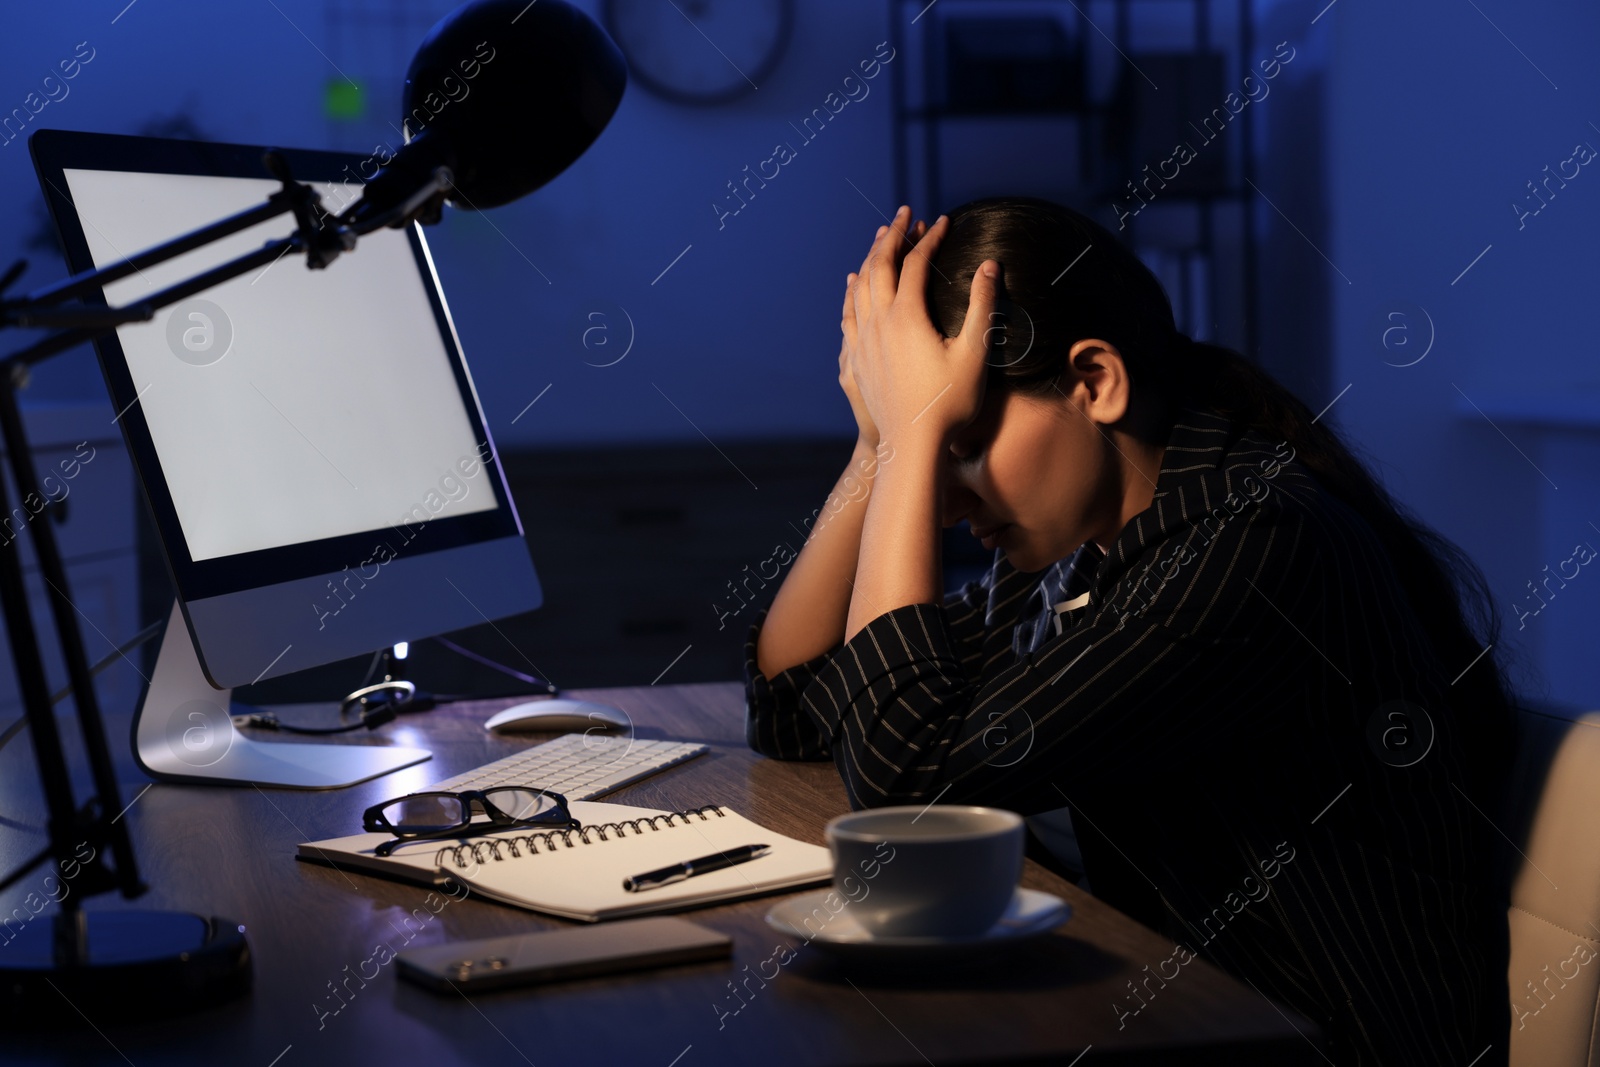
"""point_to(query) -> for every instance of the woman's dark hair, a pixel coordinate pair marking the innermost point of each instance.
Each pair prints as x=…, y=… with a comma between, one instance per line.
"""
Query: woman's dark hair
x=1065, y=277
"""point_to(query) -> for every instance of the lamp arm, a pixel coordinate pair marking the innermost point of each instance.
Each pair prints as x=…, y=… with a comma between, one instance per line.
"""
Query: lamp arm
x=322, y=238
x=320, y=235
x=13, y=367
x=67, y=824
x=87, y=282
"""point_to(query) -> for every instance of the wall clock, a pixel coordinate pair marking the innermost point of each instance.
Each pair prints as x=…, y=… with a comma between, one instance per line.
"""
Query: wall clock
x=700, y=51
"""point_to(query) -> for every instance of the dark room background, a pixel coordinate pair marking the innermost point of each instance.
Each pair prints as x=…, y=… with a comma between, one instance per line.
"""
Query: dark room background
x=1383, y=225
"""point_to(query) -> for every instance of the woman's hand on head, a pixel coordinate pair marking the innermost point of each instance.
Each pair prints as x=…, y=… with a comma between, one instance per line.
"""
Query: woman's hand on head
x=866, y=431
x=912, y=380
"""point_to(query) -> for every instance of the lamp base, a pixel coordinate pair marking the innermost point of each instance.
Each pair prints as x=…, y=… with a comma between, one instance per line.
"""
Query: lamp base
x=86, y=968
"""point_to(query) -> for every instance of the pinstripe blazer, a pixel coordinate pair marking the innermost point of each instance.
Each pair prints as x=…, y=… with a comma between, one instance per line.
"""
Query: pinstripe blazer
x=1254, y=734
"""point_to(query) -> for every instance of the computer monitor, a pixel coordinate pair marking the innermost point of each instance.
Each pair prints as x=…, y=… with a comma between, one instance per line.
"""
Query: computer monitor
x=309, y=442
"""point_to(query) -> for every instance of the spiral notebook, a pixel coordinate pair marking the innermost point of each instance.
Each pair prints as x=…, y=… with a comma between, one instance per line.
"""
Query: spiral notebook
x=577, y=874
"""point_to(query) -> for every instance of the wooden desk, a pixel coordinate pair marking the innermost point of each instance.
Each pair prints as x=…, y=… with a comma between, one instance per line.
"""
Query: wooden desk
x=230, y=852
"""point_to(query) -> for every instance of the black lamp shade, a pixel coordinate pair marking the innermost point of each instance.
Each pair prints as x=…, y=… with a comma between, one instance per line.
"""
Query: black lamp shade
x=507, y=94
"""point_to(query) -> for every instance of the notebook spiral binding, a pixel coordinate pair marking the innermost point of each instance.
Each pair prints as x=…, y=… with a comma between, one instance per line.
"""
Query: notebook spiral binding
x=471, y=853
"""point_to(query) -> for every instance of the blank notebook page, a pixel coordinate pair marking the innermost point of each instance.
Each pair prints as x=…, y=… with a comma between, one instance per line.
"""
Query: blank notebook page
x=580, y=880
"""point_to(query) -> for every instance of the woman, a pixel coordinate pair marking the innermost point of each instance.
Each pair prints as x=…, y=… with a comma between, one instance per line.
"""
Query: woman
x=1207, y=631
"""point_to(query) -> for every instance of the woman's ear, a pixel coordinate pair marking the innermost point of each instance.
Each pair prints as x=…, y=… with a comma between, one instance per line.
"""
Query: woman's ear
x=1097, y=368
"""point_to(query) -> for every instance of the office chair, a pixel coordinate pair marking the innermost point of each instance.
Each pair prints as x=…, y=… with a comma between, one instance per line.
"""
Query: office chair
x=1554, y=892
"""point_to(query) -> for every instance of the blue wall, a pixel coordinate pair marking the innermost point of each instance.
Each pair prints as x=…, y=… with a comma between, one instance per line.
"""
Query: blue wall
x=1434, y=119
x=1438, y=119
x=742, y=333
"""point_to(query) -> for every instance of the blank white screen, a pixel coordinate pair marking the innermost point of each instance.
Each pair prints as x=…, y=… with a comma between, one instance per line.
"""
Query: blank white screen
x=334, y=411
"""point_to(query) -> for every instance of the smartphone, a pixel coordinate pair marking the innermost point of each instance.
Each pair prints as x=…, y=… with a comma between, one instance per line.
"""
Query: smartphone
x=554, y=955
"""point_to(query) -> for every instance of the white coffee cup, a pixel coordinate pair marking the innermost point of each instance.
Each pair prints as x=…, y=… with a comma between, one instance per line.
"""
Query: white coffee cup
x=937, y=871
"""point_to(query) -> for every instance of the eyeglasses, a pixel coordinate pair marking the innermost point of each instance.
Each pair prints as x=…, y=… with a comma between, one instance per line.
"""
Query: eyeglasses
x=428, y=815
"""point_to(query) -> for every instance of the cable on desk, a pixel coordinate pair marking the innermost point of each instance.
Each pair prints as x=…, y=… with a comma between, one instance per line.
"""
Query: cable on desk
x=403, y=697
x=373, y=715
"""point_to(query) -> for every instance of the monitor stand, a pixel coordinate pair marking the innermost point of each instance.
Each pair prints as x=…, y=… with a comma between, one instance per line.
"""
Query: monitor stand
x=184, y=732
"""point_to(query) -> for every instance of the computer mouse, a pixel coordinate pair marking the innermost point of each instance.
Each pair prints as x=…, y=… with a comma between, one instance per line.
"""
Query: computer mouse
x=557, y=714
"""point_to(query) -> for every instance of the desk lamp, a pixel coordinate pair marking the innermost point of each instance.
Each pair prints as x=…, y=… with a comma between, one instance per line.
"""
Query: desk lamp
x=526, y=120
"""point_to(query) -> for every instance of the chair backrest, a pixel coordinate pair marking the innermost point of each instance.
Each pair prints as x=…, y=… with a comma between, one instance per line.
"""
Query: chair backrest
x=1554, y=912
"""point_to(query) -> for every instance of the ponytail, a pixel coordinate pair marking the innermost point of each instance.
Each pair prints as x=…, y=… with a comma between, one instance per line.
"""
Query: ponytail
x=1445, y=588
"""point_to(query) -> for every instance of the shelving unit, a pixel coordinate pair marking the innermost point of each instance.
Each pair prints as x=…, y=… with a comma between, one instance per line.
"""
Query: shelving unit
x=1001, y=67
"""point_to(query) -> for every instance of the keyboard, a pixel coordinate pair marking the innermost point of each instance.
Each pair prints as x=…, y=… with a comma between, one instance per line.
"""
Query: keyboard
x=578, y=766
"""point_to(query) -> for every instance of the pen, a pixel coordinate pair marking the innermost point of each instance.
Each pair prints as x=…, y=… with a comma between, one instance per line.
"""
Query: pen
x=689, y=868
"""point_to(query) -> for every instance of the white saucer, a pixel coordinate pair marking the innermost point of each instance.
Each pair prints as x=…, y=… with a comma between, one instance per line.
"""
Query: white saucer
x=1030, y=914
